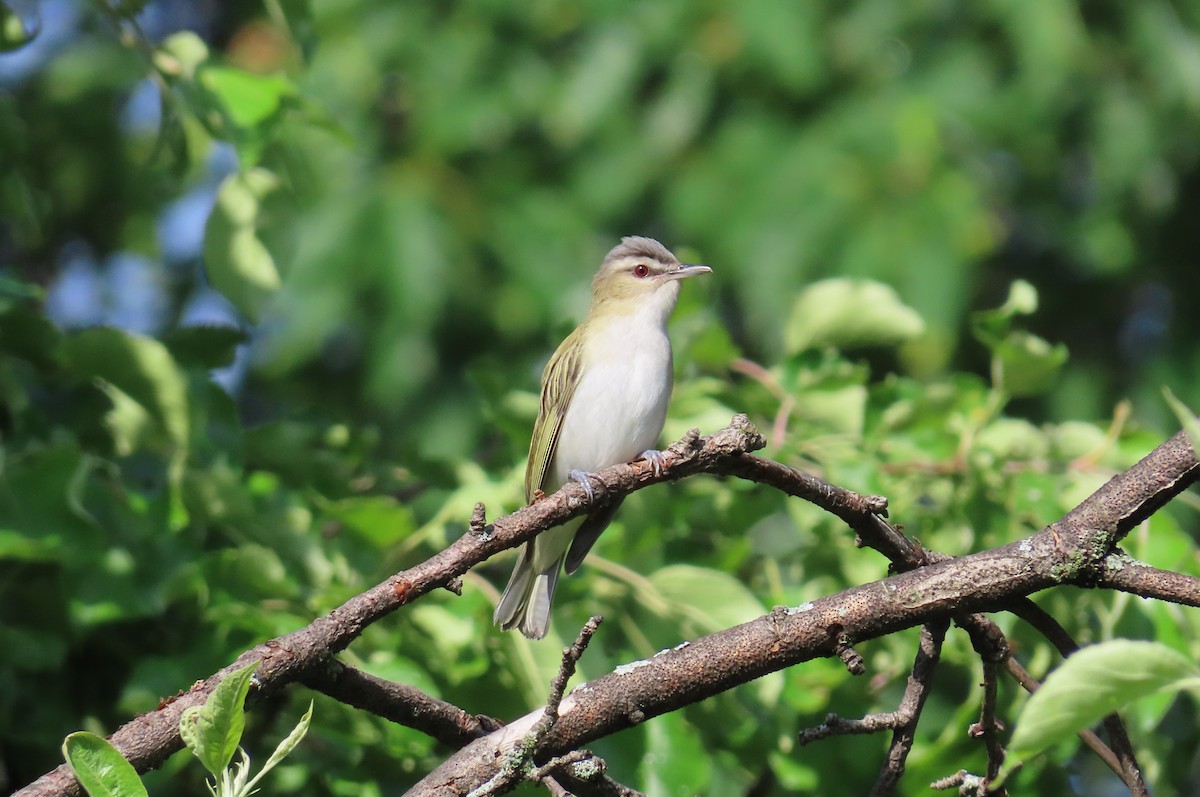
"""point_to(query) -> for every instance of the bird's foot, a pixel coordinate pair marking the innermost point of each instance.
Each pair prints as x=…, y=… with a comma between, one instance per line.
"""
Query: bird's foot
x=656, y=458
x=585, y=480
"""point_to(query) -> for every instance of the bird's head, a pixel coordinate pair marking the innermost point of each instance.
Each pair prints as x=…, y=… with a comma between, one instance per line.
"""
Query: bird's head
x=640, y=274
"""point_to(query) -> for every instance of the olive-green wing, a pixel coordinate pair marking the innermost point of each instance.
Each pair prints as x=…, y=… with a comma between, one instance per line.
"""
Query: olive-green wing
x=559, y=380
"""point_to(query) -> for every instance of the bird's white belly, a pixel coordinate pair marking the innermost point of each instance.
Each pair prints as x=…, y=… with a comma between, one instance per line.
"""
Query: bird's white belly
x=619, y=406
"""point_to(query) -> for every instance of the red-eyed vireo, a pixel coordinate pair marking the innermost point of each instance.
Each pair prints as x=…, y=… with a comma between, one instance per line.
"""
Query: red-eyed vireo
x=604, y=401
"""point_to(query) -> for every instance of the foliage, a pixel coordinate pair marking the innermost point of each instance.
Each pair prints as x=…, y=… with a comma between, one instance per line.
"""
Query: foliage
x=407, y=201
x=1092, y=683
x=100, y=768
x=211, y=731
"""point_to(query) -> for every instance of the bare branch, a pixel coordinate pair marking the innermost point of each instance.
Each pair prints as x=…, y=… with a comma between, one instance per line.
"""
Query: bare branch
x=1129, y=575
x=400, y=703
x=902, y=721
x=518, y=762
x=988, y=728
x=570, y=658
x=1065, y=552
x=968, y=785
x=909, y=712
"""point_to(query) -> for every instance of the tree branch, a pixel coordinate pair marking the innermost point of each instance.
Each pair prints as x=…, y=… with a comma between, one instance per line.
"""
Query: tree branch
x=1072, y=550
x=148, y=740
x=402, y=704
x=1127, y=574
x=1068, y=551
x=920, y=682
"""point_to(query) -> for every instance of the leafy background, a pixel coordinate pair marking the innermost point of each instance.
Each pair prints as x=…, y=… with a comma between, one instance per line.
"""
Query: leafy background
x=277, y=280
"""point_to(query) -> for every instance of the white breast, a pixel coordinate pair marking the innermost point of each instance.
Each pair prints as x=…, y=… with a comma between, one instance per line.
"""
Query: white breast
x=620, y=404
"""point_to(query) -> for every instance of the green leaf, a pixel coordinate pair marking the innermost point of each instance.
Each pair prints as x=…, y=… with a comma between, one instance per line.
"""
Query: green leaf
x=1023, y=364
x=676, y=761
x=101, y=770
x=237, y=262
x=16, y=31
x=1191, y=425
x=1090, y=684
x=204, y=346
x=12, y=288
x=1028, y=364
x=140, y=367
x=712, y=598
x=248, y=99
x=849, y=312
x=212, y=731
x=284, y=747
x=992, y=326
x=181, y=54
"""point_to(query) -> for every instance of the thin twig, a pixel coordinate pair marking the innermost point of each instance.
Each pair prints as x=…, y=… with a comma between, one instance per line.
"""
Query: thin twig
x=920, y=682
x=570, y=658
x=400, y=703
x=518, y=763
x=988, y=728
x=1127, y=574
x=968, y=785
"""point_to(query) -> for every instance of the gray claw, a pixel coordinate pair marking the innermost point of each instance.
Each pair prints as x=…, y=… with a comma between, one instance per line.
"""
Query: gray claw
x=584, y=479
x=656, y=458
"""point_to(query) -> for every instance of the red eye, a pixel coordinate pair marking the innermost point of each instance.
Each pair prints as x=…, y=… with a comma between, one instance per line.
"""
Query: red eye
x=641, y=271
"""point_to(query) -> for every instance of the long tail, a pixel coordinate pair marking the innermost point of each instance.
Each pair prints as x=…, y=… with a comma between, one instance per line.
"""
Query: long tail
x=526, y=601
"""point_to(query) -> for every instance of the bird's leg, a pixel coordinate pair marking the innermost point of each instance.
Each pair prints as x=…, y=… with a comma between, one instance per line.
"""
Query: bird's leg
x=584, y=479
x=655, y=458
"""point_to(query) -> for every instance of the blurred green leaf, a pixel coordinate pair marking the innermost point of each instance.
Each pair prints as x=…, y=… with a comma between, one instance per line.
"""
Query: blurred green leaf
x=237, y=261
x=676, y=762
x=845, y=313
x=1028, y=364
x=101, y=770
x=181, y=54
x=249, y=99
x=1093, y=682
x=204, y=346
x=993, y=326
x=711, y=598
x=1187, y=418
x=16, y=30
x=28, y=334
x=1023, y=363
x=144, y=384
x=18, y=289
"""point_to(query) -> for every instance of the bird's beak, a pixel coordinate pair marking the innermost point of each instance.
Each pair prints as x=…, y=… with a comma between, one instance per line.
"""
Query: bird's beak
x=685, y=271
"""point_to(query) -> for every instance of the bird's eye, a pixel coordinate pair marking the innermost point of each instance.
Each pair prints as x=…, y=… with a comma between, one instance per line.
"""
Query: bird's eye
x=641, y=271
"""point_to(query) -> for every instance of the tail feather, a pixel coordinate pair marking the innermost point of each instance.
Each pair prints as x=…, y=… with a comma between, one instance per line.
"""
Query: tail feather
x=526, y=601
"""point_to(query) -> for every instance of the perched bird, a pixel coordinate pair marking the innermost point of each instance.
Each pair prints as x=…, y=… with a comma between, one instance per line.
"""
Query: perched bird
x=604, y=401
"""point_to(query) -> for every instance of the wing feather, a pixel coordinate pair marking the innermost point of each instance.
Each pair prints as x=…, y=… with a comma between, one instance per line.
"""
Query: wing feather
x=559, y=380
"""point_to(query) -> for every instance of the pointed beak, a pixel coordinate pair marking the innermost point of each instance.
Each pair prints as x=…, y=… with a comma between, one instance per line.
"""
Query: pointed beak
x=685, y=271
